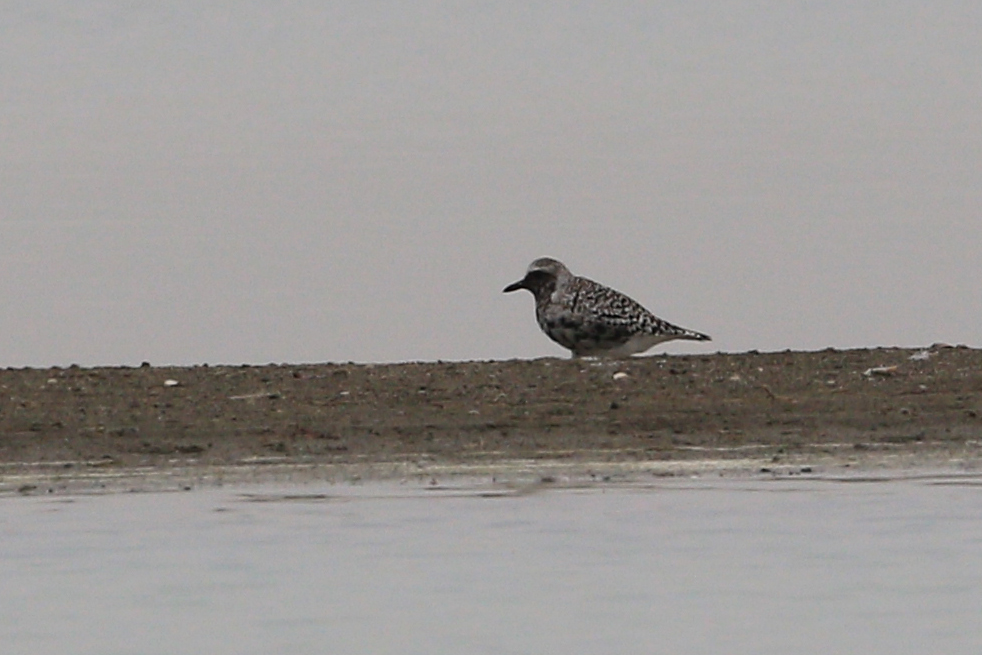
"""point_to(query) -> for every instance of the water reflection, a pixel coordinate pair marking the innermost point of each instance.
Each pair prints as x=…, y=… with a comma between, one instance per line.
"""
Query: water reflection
x=680, y=566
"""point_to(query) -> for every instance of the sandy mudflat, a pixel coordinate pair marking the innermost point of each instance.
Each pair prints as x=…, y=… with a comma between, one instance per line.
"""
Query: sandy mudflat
x=871, y=407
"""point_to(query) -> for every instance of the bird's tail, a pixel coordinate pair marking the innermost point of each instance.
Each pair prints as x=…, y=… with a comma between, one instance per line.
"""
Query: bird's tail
x=692, y=335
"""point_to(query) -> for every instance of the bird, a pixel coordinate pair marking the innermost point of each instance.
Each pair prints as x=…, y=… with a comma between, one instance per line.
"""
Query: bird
x=590, y=319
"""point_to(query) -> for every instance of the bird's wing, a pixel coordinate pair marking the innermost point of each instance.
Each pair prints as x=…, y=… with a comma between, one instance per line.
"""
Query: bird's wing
x=611, y=311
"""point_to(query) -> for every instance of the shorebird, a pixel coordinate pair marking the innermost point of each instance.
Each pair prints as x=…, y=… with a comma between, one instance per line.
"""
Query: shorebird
x=590, y=319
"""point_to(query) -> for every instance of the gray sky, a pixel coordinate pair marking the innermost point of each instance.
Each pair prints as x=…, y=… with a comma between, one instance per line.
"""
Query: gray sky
x=257, y=182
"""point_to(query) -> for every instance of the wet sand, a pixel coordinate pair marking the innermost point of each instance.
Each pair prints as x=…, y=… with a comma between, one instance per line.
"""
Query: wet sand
x=764, y=411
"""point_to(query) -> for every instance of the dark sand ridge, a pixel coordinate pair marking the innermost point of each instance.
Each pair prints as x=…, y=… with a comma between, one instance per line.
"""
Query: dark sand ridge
x=851, y=406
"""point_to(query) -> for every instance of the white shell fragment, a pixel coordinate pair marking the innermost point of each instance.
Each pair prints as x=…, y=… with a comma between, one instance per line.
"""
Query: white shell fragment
x=880, y=370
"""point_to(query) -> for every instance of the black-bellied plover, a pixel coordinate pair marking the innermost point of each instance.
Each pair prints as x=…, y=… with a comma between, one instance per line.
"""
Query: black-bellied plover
x=590, y=319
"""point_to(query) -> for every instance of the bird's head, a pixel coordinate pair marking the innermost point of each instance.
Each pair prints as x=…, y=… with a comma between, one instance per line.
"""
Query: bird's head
x=542, y=277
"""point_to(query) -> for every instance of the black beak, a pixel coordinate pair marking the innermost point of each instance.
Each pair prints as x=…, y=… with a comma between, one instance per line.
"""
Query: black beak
x=515, y=286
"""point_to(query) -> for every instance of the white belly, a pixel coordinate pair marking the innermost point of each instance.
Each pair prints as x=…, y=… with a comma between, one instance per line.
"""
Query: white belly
x=636, y=344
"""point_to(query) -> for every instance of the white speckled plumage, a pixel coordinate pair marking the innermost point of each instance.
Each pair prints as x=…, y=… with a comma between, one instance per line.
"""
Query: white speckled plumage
x=590, y=319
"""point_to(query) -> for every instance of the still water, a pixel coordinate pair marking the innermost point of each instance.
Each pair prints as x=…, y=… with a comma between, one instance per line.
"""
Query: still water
x=677, y=566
